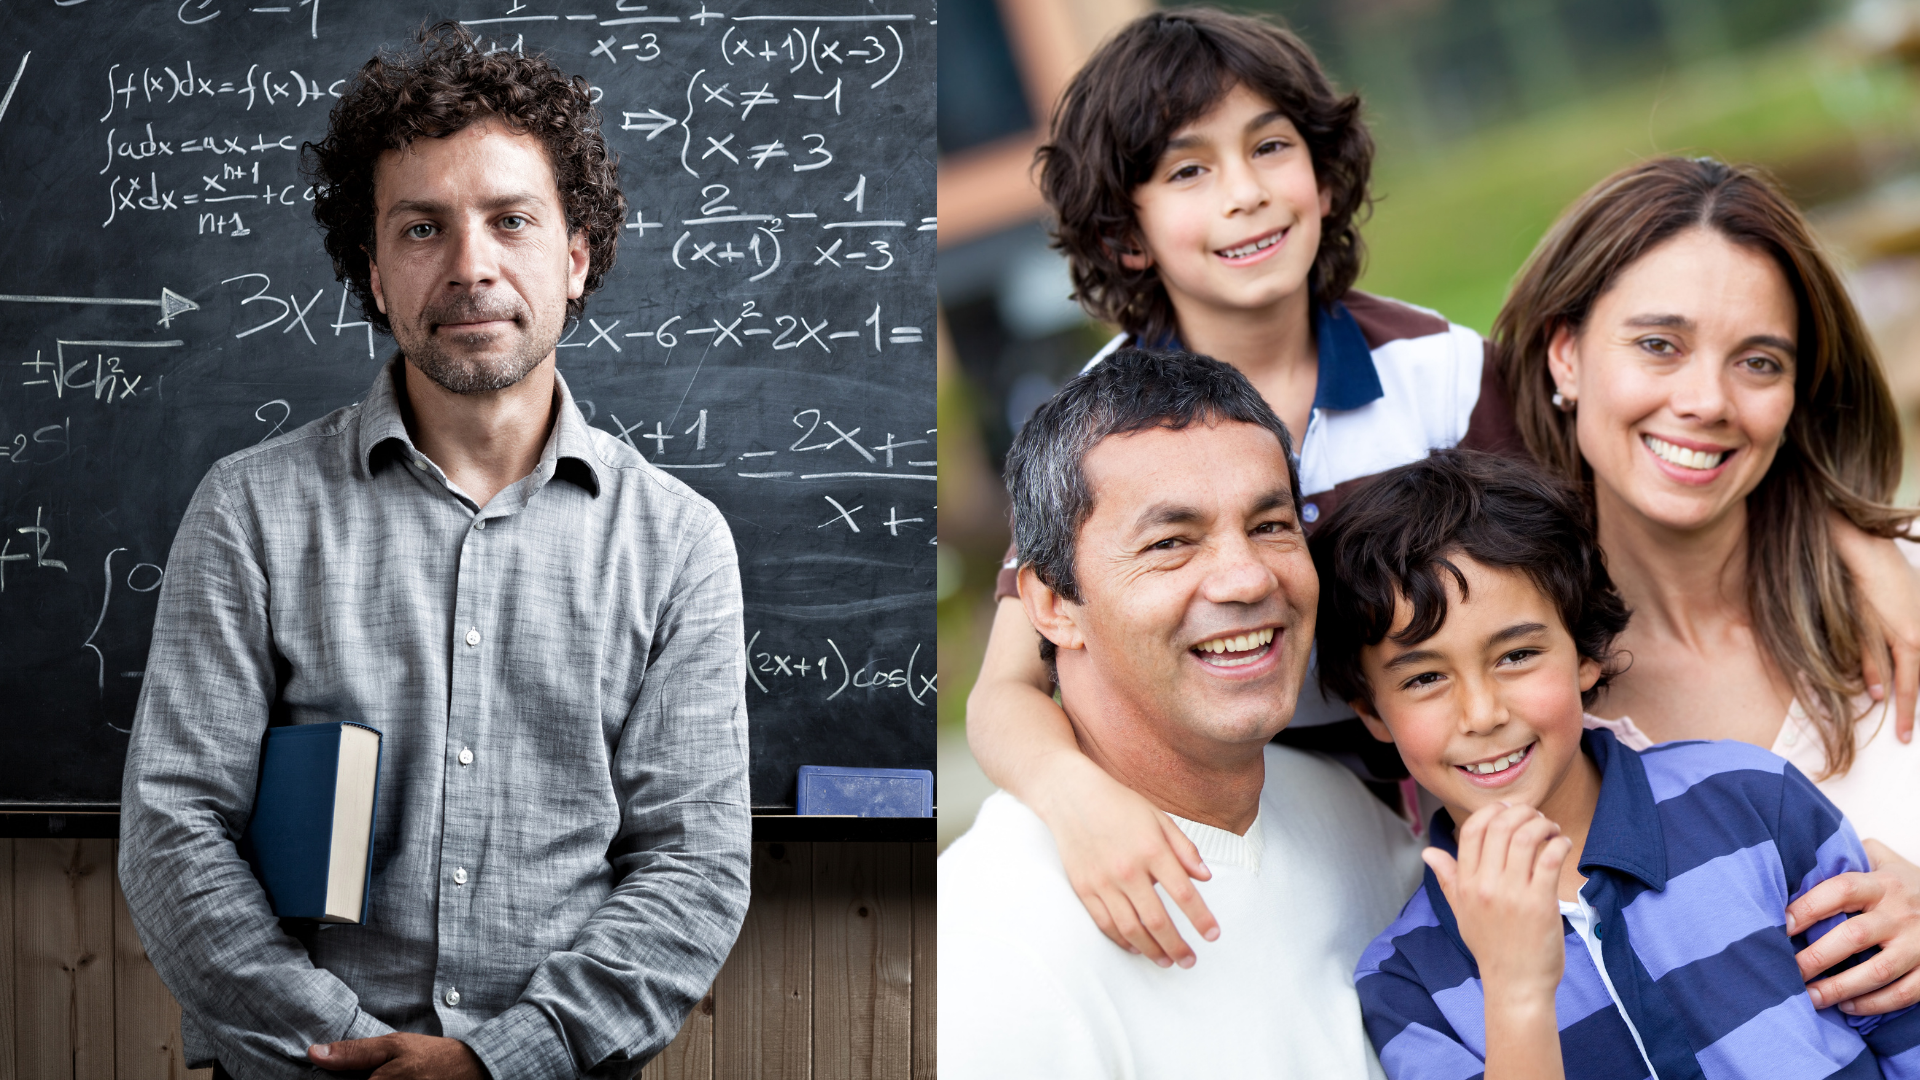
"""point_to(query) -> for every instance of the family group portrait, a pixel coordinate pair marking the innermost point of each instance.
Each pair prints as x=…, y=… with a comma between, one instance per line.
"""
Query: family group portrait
x=1494, y=665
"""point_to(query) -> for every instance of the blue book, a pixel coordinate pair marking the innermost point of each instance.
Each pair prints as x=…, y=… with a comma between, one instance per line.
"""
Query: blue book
x=310, y=839
x=865, y=792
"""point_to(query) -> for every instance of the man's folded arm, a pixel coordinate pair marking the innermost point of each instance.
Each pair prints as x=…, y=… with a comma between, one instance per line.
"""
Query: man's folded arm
x=652, y=948
x=186, y=795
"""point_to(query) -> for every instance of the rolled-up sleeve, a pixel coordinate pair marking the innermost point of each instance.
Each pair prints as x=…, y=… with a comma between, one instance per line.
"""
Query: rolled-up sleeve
x=187, y=792
x=652, y=948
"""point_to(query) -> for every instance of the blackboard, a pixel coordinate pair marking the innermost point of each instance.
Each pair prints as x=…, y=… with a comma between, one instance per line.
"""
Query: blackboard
x=767, y=334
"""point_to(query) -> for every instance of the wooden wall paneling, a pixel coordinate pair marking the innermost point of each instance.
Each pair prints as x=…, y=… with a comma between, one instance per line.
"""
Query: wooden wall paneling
x=147, y=1031
x=690, y=1055
x=8, y=969
x=925, y=946
x=63, y=948
x=763, y=998
x=862, y=961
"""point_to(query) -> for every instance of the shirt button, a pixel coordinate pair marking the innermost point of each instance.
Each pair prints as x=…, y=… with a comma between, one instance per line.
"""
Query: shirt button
x=453, y=996
x=1310, y=512
x=473, y=637
x=466, y=756
x=481, y=524
x=459, y=875
x=419, y=463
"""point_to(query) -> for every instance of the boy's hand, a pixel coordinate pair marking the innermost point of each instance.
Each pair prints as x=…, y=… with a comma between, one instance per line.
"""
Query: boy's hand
x=1116, y=846
x=1503, y=889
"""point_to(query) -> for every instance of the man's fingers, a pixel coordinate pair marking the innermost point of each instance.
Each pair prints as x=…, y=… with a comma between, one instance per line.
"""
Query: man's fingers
x=1901, y=994
x=1877, y=971
x=352, y=1053
x=1841, y=893
x=1841, y=942
x=1183, y=849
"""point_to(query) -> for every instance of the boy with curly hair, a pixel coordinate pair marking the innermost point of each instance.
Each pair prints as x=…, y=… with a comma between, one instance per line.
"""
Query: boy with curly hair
x=546, y=629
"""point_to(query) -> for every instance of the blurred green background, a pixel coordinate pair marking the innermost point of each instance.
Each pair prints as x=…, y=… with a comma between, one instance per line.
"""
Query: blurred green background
x=1490, y=117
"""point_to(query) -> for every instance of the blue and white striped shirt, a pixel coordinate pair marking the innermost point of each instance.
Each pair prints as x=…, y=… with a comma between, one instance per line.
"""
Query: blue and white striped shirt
x=1696, y=849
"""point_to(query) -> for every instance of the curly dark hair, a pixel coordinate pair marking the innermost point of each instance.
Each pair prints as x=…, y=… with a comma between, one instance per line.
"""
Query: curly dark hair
x=439, y=88
x=1396, y=538
x=1158, y=74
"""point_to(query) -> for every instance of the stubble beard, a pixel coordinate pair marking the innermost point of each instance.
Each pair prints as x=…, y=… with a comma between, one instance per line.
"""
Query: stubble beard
x=477, y=374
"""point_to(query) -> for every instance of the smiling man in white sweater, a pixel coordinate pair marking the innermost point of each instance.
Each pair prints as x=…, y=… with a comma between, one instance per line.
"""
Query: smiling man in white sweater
x=1164, y=564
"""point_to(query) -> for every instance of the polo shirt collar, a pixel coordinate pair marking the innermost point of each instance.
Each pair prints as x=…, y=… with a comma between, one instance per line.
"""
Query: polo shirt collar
x=568, y=452
x=1348, y=378
x=1625, y=834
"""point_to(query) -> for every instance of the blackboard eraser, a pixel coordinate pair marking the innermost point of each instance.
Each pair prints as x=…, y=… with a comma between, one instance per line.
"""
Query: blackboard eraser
x=841, y=791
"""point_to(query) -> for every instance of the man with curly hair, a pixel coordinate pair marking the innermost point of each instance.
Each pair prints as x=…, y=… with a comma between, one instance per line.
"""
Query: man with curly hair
x=546, y=629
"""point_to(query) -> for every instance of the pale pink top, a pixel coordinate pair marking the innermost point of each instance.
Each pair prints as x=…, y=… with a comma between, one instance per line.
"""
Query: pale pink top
x=1880, y=794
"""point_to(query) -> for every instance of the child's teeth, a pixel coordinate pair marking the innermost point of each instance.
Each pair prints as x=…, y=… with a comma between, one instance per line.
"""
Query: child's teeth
x=1499, y=764
x=1257, y=245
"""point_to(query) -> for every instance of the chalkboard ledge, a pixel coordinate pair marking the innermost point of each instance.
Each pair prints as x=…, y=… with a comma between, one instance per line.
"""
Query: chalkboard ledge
x=91, y=824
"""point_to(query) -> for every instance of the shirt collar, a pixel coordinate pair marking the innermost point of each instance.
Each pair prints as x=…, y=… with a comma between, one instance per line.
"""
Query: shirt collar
x=568, y=452
x=1625, y=834
x=1348, y=378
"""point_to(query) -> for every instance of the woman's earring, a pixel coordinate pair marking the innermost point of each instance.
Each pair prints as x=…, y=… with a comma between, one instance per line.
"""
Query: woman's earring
x=1562, y=402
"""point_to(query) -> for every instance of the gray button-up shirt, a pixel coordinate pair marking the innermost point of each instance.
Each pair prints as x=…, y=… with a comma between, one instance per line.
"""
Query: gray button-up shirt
x=561, y=847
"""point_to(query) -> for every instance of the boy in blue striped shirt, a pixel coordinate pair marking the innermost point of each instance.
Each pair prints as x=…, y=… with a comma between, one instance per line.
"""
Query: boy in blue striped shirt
x=1600, y=912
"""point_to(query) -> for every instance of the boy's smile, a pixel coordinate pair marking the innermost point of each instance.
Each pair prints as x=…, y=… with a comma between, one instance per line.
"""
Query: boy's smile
x=1488, y=709
x=1230, y=218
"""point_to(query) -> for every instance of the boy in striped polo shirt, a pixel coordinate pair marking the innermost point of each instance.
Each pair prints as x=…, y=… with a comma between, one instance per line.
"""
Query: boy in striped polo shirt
x=1600, y=912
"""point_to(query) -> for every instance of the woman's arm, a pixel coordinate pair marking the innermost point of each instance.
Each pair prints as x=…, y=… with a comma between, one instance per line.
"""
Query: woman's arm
x=1114, y=843
x=1891, y=588
x=1888, y=900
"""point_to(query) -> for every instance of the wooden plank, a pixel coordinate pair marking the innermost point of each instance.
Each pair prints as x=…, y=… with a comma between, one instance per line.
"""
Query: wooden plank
x=63, y=947
x=763, y=999
x=862, y=961
x=8, y=969
x=147, y=1018
x=690, y=1055
x=925, y=951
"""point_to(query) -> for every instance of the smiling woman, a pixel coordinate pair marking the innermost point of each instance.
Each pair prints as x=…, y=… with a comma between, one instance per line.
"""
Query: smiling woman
x=1719, y=399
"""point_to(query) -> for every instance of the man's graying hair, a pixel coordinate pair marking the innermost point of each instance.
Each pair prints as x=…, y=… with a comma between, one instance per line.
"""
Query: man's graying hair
x=1133, y=390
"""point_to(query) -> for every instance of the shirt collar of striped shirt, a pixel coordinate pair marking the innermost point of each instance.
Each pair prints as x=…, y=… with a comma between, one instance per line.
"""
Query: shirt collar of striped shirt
x=568, y=453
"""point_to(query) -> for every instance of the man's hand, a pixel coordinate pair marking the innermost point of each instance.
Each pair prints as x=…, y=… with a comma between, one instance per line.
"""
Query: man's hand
x=402, y=1057
x=1889, y=904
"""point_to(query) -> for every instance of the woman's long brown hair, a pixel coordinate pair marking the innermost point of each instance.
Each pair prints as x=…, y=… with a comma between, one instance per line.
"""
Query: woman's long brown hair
x=1842, y=449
